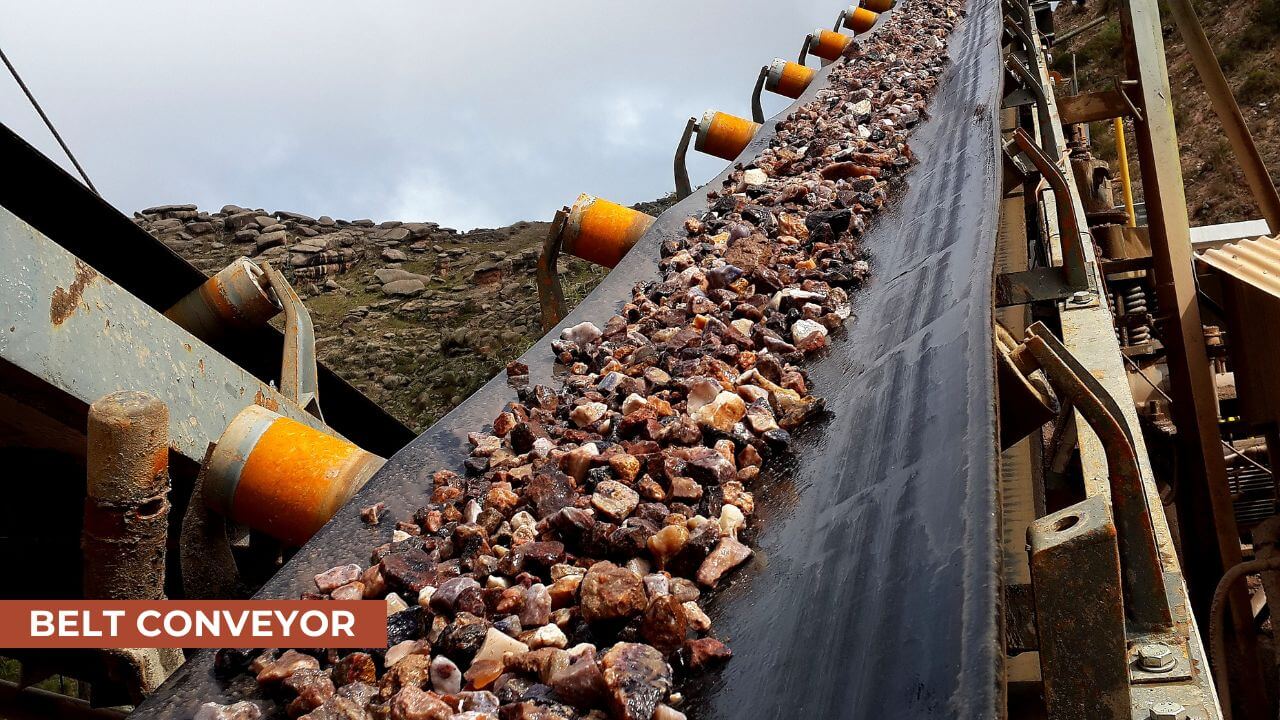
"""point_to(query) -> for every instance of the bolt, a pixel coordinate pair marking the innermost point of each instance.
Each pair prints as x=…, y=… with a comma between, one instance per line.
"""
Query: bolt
x=1156, y=657
x=1081, y=298
x=1167, y=711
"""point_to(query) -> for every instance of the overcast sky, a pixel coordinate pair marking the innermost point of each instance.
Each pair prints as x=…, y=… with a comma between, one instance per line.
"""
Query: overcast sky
x=467, y=113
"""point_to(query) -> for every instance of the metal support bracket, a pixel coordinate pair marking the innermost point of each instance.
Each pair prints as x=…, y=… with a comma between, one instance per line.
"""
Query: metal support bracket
x=550, y=292
x=299, y=376
x=1049, y=283
x=757, y=110
x=1145, y=596
x=683, y=188
x=804, y=50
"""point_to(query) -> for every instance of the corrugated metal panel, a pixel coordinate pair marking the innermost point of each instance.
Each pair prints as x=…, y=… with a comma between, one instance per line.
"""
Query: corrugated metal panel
x=1256, y=262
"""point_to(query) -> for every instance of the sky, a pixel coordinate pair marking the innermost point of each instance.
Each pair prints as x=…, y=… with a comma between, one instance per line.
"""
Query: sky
x=469, y=114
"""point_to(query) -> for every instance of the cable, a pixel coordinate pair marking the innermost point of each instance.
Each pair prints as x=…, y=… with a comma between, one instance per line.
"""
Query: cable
x=1217, y=641
x=1225, y=444
x=47, y=122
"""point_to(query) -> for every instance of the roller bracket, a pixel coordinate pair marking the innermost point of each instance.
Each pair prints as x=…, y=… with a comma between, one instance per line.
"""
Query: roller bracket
x=757, y=111
x=1047, y=283
x=299, y=376
x=683, y=188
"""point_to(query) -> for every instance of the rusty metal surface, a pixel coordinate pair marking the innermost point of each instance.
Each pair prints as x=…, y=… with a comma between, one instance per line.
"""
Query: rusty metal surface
x=1075, y=571
x=299, y=374
x=66, y=325
x=35, y=189
x=874, y=591
x=233, y=300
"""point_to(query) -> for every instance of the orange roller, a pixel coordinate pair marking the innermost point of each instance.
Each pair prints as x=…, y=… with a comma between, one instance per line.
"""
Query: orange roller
x=878, y=6
x=602, y=232
x=788, y=78
x=859, y=19
x=724, y=136
x=828, y=45
x=281, y=477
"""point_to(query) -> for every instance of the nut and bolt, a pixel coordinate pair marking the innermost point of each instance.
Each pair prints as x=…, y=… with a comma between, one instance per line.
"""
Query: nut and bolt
x=1168, y=711
x=1156, y=657
x=1082, y=297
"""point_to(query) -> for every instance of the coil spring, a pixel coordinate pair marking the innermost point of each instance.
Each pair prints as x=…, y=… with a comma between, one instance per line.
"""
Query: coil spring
x=1135, y=303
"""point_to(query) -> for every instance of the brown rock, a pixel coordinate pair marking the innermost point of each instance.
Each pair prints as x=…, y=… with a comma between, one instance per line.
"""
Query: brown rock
x=638, y=678
x=610, y=592
x=728, y=554
x=664, y=624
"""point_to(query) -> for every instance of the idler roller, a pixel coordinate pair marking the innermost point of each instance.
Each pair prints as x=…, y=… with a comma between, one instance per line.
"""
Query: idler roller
x=859, y=19
x=787, y=78
x=828, y=45
x=237, y=298
x=600, y=231
x=724, y=136
x=281, y=477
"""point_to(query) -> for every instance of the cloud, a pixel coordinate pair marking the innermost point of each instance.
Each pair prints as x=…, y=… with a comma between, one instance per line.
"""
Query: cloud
x=459, y=113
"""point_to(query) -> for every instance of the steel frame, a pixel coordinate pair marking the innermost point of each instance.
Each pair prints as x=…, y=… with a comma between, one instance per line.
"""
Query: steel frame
x=1088, y=334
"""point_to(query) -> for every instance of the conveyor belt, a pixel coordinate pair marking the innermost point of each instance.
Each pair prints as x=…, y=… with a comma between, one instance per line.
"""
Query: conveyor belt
x=874, y=591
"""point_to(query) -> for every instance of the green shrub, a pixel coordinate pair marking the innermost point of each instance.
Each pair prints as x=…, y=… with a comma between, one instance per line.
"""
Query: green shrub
x=1259, y=85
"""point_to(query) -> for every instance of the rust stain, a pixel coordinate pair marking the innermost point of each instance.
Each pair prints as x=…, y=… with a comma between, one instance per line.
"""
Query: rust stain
x=64, y=302
x=265, y=401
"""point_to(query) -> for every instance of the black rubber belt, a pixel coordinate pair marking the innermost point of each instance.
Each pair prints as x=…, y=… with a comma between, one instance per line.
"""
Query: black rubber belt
x=873, y=592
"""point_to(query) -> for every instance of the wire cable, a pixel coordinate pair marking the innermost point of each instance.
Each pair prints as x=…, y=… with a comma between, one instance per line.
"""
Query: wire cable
x=47, y=122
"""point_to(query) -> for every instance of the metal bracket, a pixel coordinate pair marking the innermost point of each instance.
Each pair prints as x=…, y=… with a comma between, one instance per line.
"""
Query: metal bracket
x=1117, y=86
x=1146, y=599
x=1050, y=283
x=299, y=376
x=840, y=20
x=804, y=50
x=683, y=188
x=550, y=292
x=757, y=111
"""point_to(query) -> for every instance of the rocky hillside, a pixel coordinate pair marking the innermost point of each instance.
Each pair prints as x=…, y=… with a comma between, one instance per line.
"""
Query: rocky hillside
x=1246, y=38
x=415, y=315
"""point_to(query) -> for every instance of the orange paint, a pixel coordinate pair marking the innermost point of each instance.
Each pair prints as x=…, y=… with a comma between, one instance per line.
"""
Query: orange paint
x=602, y=232
x=828, y=45
x=789, y=79
x=879, y=6
x=725, y=136
x=860, y=20
x=295, y=479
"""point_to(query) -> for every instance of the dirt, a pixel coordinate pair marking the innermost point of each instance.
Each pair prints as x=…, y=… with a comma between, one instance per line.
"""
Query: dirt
x=1244, y=36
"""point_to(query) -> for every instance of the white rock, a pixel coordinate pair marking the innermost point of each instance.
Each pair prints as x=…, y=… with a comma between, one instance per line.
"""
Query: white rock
x=754, y=177
x=395, y=604
x=424, y=596
x=632, y=403
x=582, y=333
x=862, y=107
x=743, y=326
x=703, y=391
x=804, y=328
x=549, y=635
x=446, y=678
x=496, y=644
x=588, y=413
x=731, y=520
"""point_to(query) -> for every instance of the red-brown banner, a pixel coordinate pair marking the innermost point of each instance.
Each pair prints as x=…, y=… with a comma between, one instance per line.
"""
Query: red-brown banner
x=192, y=623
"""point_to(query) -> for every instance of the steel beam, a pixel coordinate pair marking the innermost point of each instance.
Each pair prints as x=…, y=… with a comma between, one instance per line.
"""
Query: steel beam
x=67, y=327
x=1210, y=539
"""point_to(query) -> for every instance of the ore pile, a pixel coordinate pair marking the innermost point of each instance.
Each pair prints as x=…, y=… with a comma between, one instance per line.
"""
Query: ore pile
x=563, y=572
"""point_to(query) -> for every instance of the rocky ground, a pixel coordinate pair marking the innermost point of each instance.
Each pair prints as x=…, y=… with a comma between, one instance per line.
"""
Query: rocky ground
x=1246, y=37
x=415, y=315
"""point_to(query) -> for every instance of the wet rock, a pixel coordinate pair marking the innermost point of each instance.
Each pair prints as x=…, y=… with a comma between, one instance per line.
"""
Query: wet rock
x=729, y=553
x=614, y=500
x=446, y=678
x=609, y=592
x=334, y=578
x=289, y=662
x=413, y=703
x=243, y=710
x=722, y=413
x=704, y=652
x=638, y=678
x=664, y=624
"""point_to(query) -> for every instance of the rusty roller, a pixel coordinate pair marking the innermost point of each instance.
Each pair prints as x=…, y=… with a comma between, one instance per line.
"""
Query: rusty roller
x=281, y=477
x=859, y=19
x=787, y=78
x=827, y=44
x=724, y=136
x=600, y=231
x=236, y=298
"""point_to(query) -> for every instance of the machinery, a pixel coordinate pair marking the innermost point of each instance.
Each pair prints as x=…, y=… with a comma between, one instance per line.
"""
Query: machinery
x=1048, y=462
